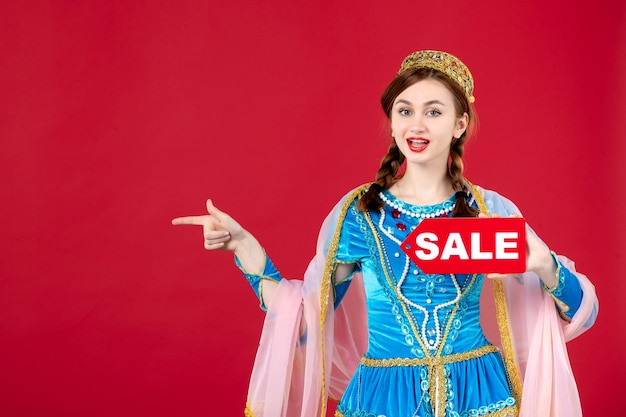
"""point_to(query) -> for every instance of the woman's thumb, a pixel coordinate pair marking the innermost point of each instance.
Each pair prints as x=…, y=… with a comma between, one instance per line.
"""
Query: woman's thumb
x=214, y=211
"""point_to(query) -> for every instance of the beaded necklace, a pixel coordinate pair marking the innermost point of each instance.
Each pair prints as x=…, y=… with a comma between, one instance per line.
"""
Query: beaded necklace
x=419, y=212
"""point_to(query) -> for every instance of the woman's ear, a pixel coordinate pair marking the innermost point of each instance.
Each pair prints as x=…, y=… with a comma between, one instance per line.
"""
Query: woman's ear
x=461, y=125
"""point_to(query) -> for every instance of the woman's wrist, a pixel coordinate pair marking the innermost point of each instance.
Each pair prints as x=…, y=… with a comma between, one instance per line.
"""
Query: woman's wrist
x=547, y=270
x=250, y=253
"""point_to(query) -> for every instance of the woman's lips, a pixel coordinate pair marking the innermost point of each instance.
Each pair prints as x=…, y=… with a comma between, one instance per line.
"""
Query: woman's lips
x=417, y=144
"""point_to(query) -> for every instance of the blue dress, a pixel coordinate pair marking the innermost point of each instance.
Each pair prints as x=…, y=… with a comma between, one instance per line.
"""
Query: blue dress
x=427, y=354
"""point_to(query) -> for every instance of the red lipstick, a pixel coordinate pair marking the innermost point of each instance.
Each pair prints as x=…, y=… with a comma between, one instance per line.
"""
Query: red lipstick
x=417, y=144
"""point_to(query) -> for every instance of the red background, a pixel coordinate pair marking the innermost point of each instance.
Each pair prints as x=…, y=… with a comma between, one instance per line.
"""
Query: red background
x=117, y=116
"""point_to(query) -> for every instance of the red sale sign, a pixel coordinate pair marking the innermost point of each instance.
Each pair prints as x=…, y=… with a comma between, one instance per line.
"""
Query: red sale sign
x=468, y=245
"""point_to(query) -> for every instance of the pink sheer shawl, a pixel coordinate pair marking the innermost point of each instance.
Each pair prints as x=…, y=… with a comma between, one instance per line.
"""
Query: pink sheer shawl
x=308, y=351
x=539, y=336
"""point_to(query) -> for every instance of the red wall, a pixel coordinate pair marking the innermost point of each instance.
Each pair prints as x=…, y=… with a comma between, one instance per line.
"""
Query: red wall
x=117, y=116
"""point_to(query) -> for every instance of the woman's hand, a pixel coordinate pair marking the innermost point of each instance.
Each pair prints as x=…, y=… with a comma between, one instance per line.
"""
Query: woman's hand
x=538, y=257
x=221, y=231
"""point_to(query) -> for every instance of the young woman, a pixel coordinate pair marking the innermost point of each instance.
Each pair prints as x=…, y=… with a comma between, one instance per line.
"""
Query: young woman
x=367, y=326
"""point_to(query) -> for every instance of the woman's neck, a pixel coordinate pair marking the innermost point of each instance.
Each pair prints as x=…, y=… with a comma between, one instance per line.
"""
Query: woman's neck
x=423, y=188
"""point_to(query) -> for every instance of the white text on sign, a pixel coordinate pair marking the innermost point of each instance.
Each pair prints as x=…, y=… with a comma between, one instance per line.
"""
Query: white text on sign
x=468, y=245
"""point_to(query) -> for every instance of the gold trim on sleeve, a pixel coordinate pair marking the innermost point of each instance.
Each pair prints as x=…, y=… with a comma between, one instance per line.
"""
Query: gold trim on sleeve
x=563, y=307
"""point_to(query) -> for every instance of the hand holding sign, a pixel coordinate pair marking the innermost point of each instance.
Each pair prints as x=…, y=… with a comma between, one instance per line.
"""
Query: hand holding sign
x=538, y=257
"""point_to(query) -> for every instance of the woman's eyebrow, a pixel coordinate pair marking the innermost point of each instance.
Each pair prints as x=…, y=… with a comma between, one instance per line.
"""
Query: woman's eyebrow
x=431, y=102
x=403, y=101
x=428, y=103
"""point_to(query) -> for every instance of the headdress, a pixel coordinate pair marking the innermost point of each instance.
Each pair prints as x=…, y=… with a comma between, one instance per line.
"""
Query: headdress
x=447, y=63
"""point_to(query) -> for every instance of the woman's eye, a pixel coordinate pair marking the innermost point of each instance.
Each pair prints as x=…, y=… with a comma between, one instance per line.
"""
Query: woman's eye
x=433, y=112
x=405, y=112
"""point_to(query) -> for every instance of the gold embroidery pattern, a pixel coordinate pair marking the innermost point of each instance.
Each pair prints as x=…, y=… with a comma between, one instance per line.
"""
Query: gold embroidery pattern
x=505, y=412
x=329, y=269
x=440, y=360
x=502, y=318
x=436, y=370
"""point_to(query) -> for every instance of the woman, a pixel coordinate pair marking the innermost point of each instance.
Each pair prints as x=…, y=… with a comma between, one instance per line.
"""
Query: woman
x=401, y=342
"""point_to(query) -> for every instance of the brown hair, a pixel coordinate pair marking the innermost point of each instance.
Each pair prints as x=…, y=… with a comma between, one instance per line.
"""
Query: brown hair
x=393, y=160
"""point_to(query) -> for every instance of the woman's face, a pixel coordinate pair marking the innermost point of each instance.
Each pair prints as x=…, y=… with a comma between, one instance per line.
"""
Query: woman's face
x=424, y=121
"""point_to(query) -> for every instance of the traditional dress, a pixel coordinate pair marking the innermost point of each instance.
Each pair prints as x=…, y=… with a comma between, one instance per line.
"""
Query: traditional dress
x=401, y=343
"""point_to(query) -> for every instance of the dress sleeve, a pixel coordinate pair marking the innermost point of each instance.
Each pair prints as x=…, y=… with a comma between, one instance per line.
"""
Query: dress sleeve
x=269, y=272
x=351, y=250
x=567, y=293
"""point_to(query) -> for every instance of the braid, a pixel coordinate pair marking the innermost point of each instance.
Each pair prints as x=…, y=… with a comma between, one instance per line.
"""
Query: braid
x=462, y=208
x=385, y=176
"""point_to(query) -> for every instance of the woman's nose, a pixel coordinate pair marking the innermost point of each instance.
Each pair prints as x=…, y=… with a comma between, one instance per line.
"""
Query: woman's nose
x=417, y=125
